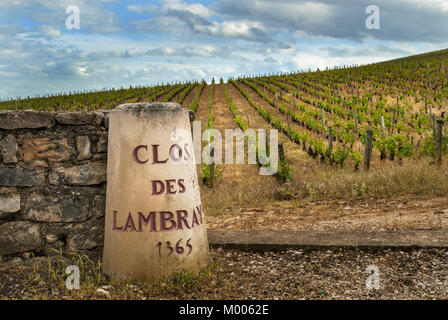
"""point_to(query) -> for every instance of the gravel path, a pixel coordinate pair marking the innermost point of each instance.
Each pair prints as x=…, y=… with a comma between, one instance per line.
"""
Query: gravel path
x=338, y=274
x=292, y=274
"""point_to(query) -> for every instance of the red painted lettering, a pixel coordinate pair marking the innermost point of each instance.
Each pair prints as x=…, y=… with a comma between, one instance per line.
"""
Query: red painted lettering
x=155, y=155
x=115, y=222
x=135, y=154
x=195, y=219
x=181, y=185
x=167, y=216
x=173, y=155
x=169, y=186
x=182, y=216
x=200, y=211
x=129, y=224
x=145, y=220
x=155, y=190
x=187, y=152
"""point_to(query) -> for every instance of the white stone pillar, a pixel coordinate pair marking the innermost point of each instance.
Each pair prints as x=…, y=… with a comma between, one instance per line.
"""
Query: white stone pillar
x=155, y=223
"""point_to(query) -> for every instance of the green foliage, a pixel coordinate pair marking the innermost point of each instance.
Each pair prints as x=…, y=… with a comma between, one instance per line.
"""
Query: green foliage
x=339, y=156
x=90, y=100
x=211, y=119
x=186, y=92
x=284, y=172
x=174, y=92
x=429, y=148
x=370, y=92
x=194, y=103
x=357, y=159
x=205, y=172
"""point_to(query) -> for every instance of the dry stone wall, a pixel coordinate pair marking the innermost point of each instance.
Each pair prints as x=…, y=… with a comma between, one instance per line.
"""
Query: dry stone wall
x=52, y=181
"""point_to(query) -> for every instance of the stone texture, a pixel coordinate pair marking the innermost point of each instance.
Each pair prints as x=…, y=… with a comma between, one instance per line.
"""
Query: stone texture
x=130, y=191
x=8, y=149
x=83, y=147
x=85, y=236
x=19, y=236
x=49, y=200
x=100, y=157
x=45, y=149
x=101, y=293
x=192, y=115
x=9, y=200
x=53, y=249
x=12, y=120
x=88, y=174
x=101, y=146
x=79, y=118
x=64, y=204
x=19, y=177
x=37, y=164
x=51, y=238
x=106, y=120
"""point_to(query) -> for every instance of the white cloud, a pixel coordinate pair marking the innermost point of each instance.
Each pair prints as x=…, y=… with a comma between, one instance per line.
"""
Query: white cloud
x=438, y=4
x=203, y=51
x=195, y=8
x=94, y=17
x=50, y=31
x=195, y=40
x=242, y=28
x=142, y=9
x=82, y=71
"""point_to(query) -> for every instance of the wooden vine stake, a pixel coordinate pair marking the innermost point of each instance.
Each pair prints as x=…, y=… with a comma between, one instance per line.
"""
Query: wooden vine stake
x=266, y=141
x=323, y=119
x=394, y=114
x=447, y=77
x=212, y=169
x=330, y=142
x=383, y=136
x=368, y=150
x=439, y=142
x=356, y=121
x=281, y=153
x=433, y=125
x=294, y=102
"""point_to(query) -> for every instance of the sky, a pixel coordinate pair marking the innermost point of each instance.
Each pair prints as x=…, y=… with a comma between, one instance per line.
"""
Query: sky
x=123, y=43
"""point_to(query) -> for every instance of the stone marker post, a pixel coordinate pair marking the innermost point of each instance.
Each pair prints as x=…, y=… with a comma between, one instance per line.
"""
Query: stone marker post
x=154, y=219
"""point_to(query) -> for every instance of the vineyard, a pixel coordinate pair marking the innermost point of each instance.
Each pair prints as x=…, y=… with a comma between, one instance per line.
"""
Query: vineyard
x=333, y=124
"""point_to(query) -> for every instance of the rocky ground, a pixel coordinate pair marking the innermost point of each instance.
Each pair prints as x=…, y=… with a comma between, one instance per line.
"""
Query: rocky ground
x=292, y=274
x=404, y=213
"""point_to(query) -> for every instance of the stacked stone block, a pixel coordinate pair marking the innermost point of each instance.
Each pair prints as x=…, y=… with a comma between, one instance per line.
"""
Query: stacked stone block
x=52, y=181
